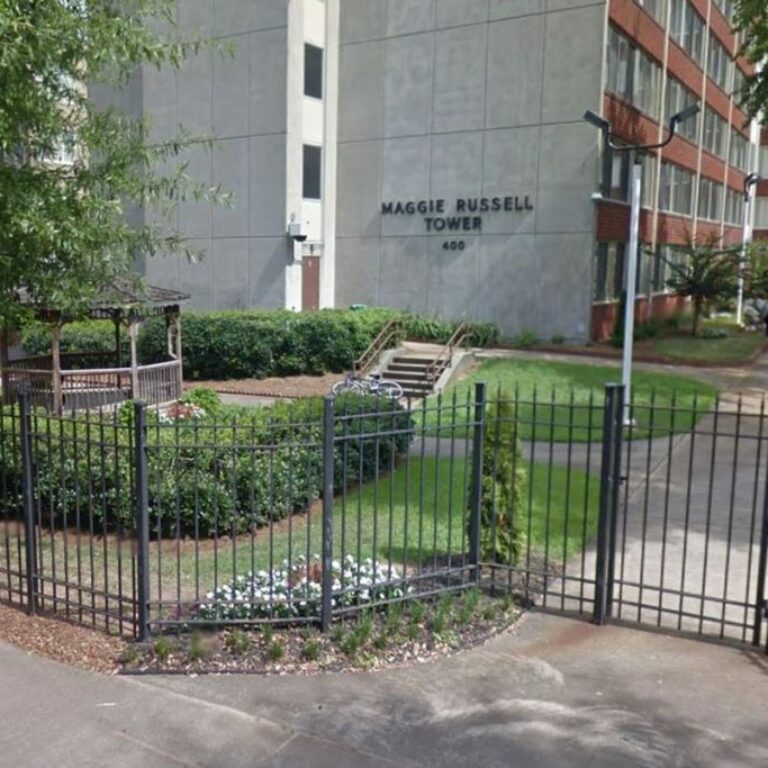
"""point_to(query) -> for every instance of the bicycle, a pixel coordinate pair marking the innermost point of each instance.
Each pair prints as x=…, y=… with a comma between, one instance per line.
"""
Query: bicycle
x=368, y=385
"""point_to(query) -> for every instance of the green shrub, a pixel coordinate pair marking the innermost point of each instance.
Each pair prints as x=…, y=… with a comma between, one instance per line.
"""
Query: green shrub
x=224, y=473
x=650, y=329
x=203, y=398
x=526, y=339
x=503, y=487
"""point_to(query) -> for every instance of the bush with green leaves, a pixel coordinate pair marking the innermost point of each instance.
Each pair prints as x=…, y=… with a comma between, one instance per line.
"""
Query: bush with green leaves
x=259, y=343
x=502, y=536
x=219, y=473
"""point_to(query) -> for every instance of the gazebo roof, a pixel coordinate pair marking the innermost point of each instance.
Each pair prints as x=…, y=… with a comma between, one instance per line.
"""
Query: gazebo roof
x=127, y=294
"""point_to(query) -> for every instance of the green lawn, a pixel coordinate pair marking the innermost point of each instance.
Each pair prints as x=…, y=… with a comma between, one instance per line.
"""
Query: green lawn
x=564, y=401
x=379, y=520
x=735, y=348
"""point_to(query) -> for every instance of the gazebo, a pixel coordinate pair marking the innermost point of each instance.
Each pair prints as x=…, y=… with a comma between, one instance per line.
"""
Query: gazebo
x=69, y=382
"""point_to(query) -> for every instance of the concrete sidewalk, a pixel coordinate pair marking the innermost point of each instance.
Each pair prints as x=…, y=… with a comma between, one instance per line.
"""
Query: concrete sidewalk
x=559, y=692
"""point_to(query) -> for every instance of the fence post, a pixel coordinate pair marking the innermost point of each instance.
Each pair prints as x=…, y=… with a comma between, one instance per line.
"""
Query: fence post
x=142, y=520
x=27, y=476
x=619, y=411
x=761, y=605
x=476, y=489
x=326, y=609
x=607, y=513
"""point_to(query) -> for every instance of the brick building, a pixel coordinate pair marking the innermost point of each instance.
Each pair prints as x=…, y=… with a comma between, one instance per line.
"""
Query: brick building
x=431, y=154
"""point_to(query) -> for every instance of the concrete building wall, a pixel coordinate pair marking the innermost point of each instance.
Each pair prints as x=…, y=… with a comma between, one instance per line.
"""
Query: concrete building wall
x=456, y=100
x=240, y=98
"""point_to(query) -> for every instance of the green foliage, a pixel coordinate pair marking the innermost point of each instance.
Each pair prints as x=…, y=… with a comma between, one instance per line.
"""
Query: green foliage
x=750, y=21
x=714, y=333
x=225, y=473
x=650, y=329
x=162, y=648
x=238, y=642
x=526, y=339
x=63, y=228
x=275, y=650
x=703, y=270
x=756, y=271
x=503, y=487
x=311, y=649
x=203, y=398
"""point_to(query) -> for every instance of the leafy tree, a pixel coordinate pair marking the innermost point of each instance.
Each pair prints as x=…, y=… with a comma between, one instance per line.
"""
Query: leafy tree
x=751, y=21
x=756, y=271
x=705, y=271
x=63, y=227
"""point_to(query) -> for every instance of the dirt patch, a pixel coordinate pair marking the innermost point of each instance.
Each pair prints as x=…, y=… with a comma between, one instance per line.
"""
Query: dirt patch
x=58, y=640
x=288, y=387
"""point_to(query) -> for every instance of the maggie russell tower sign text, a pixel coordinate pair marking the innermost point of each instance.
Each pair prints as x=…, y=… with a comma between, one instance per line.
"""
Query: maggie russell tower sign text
x=465, y=216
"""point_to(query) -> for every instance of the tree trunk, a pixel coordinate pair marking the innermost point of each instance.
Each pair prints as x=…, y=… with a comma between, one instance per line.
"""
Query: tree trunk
x=697, y=306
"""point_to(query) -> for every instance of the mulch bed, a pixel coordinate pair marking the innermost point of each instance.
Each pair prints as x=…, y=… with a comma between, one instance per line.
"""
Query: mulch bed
x=283, y=651
x=288, y=387
x=61, y=641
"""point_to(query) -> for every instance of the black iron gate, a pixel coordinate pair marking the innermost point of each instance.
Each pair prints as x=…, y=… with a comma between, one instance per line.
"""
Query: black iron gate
x=684, y=518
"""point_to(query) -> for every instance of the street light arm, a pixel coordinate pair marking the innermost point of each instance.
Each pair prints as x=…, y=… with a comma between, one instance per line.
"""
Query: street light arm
x=674, y=121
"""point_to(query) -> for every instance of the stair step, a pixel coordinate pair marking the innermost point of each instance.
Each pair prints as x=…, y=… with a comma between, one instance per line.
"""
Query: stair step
x=391, y=373
x=414, y=360
x=422, y=386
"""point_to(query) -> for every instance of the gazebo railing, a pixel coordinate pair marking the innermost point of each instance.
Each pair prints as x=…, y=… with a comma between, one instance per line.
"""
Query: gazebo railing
x=156, y=384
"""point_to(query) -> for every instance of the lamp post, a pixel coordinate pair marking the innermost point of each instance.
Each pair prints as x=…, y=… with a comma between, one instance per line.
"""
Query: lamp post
x=636, y=183
x=746, y=238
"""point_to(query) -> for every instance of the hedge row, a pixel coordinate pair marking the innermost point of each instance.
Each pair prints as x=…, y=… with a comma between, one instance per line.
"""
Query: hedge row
x=258, y=344
x=224, y=473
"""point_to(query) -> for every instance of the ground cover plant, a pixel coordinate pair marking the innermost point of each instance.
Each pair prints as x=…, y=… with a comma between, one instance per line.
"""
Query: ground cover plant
x=413, y=630
x=563, y=402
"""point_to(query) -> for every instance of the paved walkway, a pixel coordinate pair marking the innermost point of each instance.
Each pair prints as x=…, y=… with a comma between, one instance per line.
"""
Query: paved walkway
x=557, y=693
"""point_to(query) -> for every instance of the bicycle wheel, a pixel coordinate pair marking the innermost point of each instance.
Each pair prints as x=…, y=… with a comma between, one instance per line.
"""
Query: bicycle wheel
x=389, y=389
x=345, y=387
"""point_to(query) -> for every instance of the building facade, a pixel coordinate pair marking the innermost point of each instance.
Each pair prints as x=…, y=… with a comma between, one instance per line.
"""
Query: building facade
x=431, y=154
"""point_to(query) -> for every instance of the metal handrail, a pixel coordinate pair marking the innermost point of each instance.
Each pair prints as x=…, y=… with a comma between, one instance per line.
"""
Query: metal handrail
x=389, y=332
x=445, y=356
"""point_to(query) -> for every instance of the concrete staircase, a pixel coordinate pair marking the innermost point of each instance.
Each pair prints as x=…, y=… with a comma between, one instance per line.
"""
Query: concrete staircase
x=411, y=369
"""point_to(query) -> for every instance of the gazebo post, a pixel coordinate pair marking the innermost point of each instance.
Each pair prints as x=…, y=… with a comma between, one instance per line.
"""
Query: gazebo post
x=58, y=399
x=4, y=360
x=133, y=333
x=173, y=330
x=116, y=320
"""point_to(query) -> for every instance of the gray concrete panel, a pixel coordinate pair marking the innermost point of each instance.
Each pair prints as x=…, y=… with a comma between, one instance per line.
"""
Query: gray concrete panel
x=405, y=169
x=509, y=9
x=565, y=267
x=408, y=78
x=457, y=164
x=404, y=272
x=408, y=16
x=362, y=20
x=268, y=258
x=357, y=271
x=509, y=290
x=452, y=279
x=359, y=185
x=195, y=16
x=230, y=169
x=195, y=93
x=567, y=177
x=233, y=17
x=195, y=278
x=267, y=93
x=510, y=161
x=515, y=72
x=573, y=57
x=230, y=259
x=453, y=13
x=266, y=204
x=231, y=82
x=459, y=92
x=195, y=218
x=160, y=103
x=562, y=5
x=361, y=91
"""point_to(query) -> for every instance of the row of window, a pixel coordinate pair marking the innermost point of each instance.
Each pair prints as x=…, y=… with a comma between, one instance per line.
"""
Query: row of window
x=686, y=28
x=715, y=129
x=719, y=63
x=632, y=74
x=739, y=151
x=312, y=169
x=678, y=98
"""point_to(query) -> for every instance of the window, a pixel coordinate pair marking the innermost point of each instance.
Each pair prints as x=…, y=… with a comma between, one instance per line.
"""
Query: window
x=739, y=151
x=734, y=206
x=609, y=271
x=313, y=71
x=312, y=172
x=714, y=133
x=686, y=28
x=710, y=199
x=678, y=98
x=761, y=213
x=676, y=189
x=738, y=81
x=726, y=8
x=632, y=75
x=718, y=63
x=654, y=7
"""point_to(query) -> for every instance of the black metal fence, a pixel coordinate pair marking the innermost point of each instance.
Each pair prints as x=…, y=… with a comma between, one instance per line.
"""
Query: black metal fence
x=137, y=521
